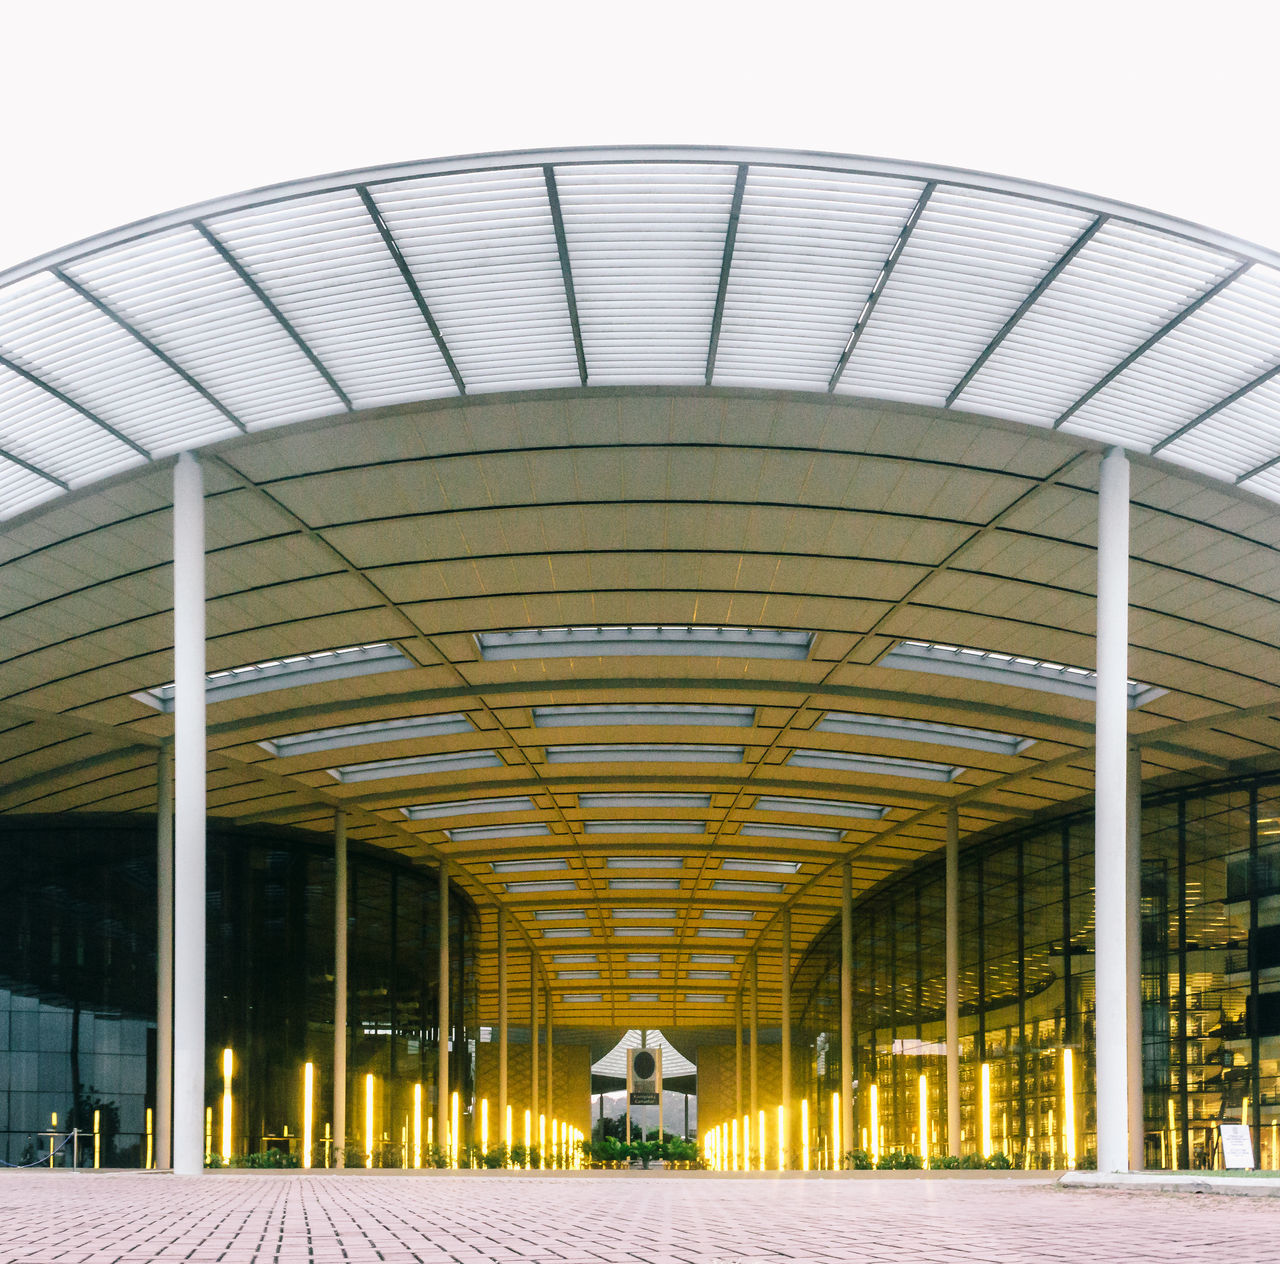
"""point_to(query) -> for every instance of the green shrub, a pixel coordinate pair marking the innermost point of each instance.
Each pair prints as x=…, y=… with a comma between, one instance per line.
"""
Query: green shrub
x=645, y=1151
x=945, y=1162
x=999, y=1161
x=519, y=1155
x=858, y=1160
x=1087, y=1163
x=678, y=1150
x=267, y=1158
x=495, y=1156
x=971, y=1162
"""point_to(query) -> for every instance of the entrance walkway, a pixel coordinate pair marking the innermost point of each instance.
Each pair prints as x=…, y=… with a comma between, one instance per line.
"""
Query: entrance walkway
x=234, y=1218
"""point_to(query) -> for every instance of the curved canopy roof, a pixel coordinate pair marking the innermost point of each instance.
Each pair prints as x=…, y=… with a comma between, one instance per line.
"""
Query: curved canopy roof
x=727, y=268
x=642, y=660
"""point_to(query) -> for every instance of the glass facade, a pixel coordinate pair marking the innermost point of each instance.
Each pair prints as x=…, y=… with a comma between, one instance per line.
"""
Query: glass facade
x=78, y=987
x=1210, y=931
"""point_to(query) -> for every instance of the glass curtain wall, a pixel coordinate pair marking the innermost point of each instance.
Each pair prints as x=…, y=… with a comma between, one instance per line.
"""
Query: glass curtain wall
x=78, y=986
x=1210, y=932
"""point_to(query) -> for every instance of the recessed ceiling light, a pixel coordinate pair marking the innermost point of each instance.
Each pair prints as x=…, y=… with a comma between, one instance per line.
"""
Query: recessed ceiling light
x=628, y=802
x=812, y=833
x=704, y=998
x=645, y=752
x=538, y=888
x=708, y=974
x=479, y=833
x=644, y=912
x=760, y=866
x=820, y=807
x=558, y=915
x=728, y=915
x=720, y=932
x=577, y=974
x=470, y=807
x=647, y=714
x=567, y=932
x=644, y=956
x=713, y=958
x=643, y=932
x=741, y=884
x=574, y=958
x=527, y=866
x=685, y=640
x=418, y=766
x=581, y=998
x=874, y=765
x=643, y=998
x=644, y=884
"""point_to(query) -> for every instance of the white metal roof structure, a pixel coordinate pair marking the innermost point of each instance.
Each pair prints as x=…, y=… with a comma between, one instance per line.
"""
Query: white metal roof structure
x=640, y=533
x=726, y=268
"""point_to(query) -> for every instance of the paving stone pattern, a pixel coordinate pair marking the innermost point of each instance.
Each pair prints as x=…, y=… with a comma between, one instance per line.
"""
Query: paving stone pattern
x=234, y=1218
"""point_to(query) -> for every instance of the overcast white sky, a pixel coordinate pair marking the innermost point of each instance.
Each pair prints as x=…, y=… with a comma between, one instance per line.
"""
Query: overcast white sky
x=118, y=110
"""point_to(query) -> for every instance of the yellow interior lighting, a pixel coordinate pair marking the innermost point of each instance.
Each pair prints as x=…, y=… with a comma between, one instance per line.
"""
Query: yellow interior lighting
x=760, y=1142
x=782, y=1132
x=528, y=1136
x=511, y=1136
x=453, y=1130
x=837, y=1154
x=734, y=1153
x=208, y=1132
x=417, y=1125
x=924, y=1119
x=226, y=1105
x=746, y=1143
x=1069, y=1108
x=150, y=1139
x=484, y=1124
x=368, y=1120
x=542, y=1140
x=804, y=1134
x=875, y=1123
x=97, y=1139
x=308, y=1105
x=988, y=1147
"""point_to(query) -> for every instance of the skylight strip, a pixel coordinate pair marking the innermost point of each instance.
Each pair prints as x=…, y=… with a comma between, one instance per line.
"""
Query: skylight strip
x=645, y=752
x=761, y=866
x=704, y=998
x=821, y=807
x=640, y=714
x=644, y=884
x=680, y=639
x=398, y=730
x=581, y=998
x=658, y=914
x=719, y=932
x=644, y=974
x=470, y=807
x=643, y=998
x=1004, y=669
x=644, y=862
x=747, y=887
x=559, y=915
x=873, y=765
x=541, y=887
x=728, y=915
x=478, y=833
x=580, y=975
x=643, y=932
x=694, y=802
x=713, y=958
x=288, y=673
x=567, y=932
x=893, y=728
x=708, y=976
x=644, y=827
x=537, y=865
x=420, y=765
x=574, y=959
x=810, y=832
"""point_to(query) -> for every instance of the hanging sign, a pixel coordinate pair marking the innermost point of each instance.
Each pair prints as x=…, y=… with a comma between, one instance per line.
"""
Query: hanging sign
x=644, y=1077
x=1237, y=1146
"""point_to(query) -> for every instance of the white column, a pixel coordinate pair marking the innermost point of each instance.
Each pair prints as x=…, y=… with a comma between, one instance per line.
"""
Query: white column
x=442, y=1050
x=784, y=996
x=1133, y=960
x=1111, y=811
x=502, y=1023
x=164, y=958
x=953, y=981
x=340, y=922
x=846, y=1013
x=189, y=816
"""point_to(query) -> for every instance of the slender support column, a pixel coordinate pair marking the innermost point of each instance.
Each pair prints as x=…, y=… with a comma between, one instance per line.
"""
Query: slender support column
x=340, y=923
x=1133, y=960
x=753, y=1021
x=785, y=1000
x=502, y=1021
x=164, y=958
x=550, y=1049
x=737, y=1057
x=189, y=816
x=535, y=1018
x=846, y=1013
x=446, y=1027
x=953, y=982
x=1111, y=812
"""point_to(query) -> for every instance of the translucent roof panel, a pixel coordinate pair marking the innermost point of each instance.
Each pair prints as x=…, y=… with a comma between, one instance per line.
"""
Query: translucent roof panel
x=327, y=268
x=189, y=300
x=1121, y=288
x=482, y=248
x=561, y=269
x=645, y=247
x=969, y=262
x=808, y=248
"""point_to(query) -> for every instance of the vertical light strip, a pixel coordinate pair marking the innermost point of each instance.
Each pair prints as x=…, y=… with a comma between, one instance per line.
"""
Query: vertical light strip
x=417, y=1124
x=368, y=1120
x=746, y=1143
x=226, y=1105
x=208, y=1133
x=875, y=1123
x=542, y=1140
x=760, y=1143
x=453, y=1130
x=97, y=1139
x=511, y=1137
x=733, y=1153
x=804, y=1134
x=150, y=1141
x=924, y=1119
x=837, y=1154
x=308, y=1105
x=782, y=1133
x=987, y=1147
x=484, y=1125
x=1069, y=1107
x=528, y=1136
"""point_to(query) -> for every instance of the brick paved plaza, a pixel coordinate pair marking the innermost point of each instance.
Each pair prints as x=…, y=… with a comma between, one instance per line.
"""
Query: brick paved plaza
x=248, y=1218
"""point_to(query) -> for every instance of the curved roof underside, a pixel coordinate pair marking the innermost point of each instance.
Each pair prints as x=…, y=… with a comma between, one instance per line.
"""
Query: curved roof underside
x=727, y=268
x=644, y=659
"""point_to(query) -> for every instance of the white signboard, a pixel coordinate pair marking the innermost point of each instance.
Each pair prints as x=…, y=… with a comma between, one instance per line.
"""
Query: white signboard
x=644, y=1077
x=1237, y=1146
